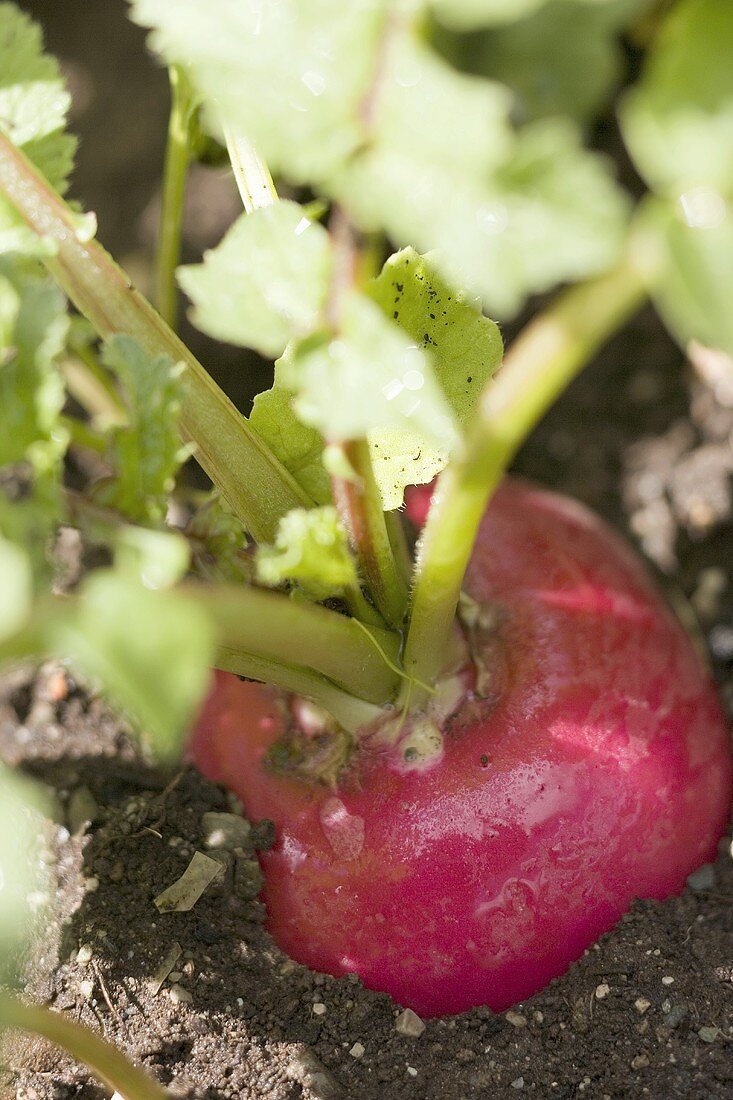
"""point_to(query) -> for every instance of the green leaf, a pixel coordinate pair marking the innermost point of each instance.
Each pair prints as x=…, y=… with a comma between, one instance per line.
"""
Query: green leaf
x=693, y=269
x=506, y=215
x=33, y=107
x=347, y=98
x=678, y=121
x=21, y=239
x=469, y=14
x=266, y=283
x=464, y=347
x=33, y=97
x=16, y=588
x=155, y=559
x=33, y=329
x=290, y=75
x=369, y=377
x=298, y=446
x=218, y=541
x=146, y=452
x=312, y=550
x=564, y=59
x=466, y=14
x=23, y=808
x=565, y=217
x=149, y=651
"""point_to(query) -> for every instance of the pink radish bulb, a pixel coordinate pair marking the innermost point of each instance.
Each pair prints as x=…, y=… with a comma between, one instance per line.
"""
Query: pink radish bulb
x=598, y=772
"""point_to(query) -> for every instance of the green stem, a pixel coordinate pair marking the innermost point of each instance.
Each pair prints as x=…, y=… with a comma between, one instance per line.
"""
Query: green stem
x=351, y=713
x=398, y=542
x=356, y=493
x=359, y=504
x=256, y=486
x=273, y=627
x=538, y=367
x=105, y=1061
x=360, y=608
x=177, y=158
x=258, y=191
x=251, y=173
x=82, y=435
x=90, y=385
x=266, y=630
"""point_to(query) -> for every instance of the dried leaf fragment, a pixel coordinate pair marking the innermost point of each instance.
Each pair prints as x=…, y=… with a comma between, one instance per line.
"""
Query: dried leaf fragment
x=169, y=961
x=182, y=895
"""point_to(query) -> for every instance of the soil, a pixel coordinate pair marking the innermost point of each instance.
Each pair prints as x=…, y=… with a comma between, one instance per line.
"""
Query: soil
x=645, y=439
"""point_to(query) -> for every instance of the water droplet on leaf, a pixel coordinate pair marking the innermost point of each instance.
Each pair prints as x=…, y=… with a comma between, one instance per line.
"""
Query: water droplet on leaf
x=703, y=208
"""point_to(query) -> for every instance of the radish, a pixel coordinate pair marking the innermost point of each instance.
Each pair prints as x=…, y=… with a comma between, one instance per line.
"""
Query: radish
x=594, y=770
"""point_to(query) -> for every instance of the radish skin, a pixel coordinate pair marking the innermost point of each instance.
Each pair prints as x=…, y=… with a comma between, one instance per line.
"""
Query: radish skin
x=598, y=770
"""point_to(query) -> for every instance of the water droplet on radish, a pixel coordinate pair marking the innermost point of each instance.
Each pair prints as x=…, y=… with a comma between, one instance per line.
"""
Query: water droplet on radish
x=293, y=852
x=343, y=831
x=505, y=923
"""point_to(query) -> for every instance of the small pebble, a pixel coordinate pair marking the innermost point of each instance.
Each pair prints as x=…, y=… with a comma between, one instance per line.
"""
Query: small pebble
x=518, y=1083
x=709, y=1034
x=640, y=1062
x=357, y=1050
x=411, y=1070
x=175, y=976
x=409, y=1024
x=91, y=884
x=57, y=686
x=721, y=642
x=675, y=1016
x=248, y=878
x=227, y=831
x=642, y=1005
x=703, y=879
x=84, y=954
x=667, y=979
x=179, y=995
x=118, y=871
x=319, y=1009
x=516, y=1019
x=602, y=991
x=86, y=989
x=306, y=1068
